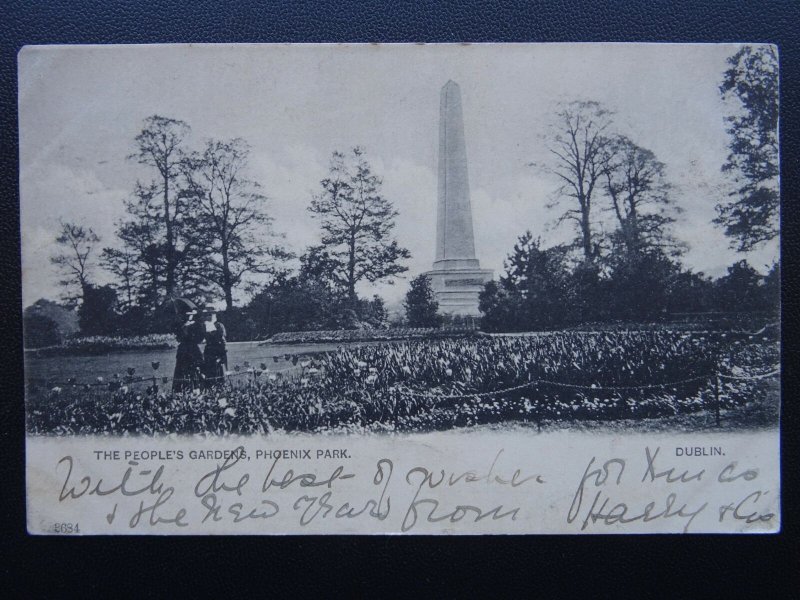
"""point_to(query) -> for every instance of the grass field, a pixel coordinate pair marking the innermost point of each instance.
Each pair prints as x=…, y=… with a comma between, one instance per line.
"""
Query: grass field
x=85, y=369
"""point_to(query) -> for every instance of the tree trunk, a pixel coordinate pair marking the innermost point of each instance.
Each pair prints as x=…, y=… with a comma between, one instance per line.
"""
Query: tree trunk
x=228, y=297
x=633, y=227
x=227, y=283
x=170, y=275
x=351, y=269
x=586, y=234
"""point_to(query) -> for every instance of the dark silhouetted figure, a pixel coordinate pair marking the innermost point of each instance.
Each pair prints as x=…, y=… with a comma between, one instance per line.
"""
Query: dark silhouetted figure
x=189, y=359
x=215, y=356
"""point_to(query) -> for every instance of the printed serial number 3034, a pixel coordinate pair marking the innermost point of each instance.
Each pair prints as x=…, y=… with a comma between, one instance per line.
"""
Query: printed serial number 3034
x=66, y=528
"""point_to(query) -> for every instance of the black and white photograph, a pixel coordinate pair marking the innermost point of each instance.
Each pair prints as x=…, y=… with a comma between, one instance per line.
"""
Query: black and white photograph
x=246, y=258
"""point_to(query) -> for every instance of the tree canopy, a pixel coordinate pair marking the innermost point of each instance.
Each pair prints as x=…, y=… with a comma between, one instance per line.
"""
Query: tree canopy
x=420, y=303
x=750, y=215
x=357, y=223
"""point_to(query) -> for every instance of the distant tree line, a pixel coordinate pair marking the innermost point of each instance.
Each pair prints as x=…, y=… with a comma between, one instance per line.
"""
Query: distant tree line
x=196, y=226
x=633, y=272
x=541, y=290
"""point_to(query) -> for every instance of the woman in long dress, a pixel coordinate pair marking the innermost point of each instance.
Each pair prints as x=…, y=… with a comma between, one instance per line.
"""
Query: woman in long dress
x=189, y=359
x=215, y=356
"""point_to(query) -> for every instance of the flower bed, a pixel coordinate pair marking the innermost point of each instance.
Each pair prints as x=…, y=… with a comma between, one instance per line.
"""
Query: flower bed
x=367, y=335
x=95, y=345
x=436, y=384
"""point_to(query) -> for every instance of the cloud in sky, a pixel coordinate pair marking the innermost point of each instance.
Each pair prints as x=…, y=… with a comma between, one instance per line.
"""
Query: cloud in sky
x=80, y=109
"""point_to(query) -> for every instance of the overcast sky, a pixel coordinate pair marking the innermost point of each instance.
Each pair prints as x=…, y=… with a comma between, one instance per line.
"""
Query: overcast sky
x=81, y=107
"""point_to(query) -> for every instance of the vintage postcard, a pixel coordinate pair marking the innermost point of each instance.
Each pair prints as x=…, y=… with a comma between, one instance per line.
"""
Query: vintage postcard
x=401, y=289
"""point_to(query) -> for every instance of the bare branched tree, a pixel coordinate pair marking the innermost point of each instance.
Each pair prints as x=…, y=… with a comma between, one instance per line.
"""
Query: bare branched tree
x=636, y=185
x=160, y=145
x=123, y=265
x=578, y=146
x=76, y=244
x=231, y=216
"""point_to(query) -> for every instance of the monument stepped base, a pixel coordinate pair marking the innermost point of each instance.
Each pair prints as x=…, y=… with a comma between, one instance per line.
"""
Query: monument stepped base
x=456, y=289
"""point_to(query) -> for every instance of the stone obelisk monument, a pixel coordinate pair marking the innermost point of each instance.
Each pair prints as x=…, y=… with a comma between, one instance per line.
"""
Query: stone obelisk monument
x=456, y=278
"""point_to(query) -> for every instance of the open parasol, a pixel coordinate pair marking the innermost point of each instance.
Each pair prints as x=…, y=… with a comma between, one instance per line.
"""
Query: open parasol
x=184, y=306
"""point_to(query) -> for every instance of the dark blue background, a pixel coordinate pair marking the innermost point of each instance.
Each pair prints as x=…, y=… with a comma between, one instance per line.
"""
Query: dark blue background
x=529, y=566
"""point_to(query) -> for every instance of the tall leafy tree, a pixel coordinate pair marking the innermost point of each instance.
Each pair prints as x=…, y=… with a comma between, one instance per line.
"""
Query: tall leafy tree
x=533, y=293
x=750, y=216
x=499, y=308
x=138, y=261
x=578, y=145
x=40, y=331
x=160, y=145
x=373, y=313
x=772, y=288
x=122, y=264
x=76, y=245
x=636, y=185
x=47, y=323
x=690, y=292
x=317, y=264
x=740, y=289
x=231, y=214
x=540, y=279
x=638, y=285
x=161, y=251
x=293, y=303
x=97, y=314
x=357, y=223
x=420, y=304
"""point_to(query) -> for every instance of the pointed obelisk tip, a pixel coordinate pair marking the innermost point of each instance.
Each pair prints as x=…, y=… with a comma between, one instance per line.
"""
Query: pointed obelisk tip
x=450, y=84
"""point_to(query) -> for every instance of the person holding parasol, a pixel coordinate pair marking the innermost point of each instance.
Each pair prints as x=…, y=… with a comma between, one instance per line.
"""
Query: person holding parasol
x=190, y=333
